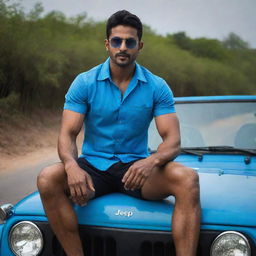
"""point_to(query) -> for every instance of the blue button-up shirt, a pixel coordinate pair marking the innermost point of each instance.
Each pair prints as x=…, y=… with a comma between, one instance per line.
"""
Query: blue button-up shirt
x=116, y=125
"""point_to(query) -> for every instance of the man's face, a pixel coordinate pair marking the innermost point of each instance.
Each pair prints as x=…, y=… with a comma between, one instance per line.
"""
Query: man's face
x=123, y=45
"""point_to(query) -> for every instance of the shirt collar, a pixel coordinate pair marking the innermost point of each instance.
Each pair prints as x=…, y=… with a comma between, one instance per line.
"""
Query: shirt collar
x=105, y=72
x=139, y=73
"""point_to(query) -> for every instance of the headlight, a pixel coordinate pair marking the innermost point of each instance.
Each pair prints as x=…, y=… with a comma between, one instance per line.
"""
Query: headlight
x=230, y=243
x=26, y=239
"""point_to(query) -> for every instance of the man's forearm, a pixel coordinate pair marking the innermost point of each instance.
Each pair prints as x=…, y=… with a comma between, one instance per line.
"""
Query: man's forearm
x=165, y=153
x=67, y=149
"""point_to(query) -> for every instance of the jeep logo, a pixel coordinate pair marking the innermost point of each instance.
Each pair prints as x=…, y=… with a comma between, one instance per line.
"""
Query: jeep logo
x=124, y=213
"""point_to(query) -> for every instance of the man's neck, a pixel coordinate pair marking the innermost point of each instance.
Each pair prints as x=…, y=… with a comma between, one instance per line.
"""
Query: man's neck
x=121, y=75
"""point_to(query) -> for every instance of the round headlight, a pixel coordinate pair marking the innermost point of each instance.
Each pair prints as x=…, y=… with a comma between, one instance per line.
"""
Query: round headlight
x=230, y=243
x=26, y=239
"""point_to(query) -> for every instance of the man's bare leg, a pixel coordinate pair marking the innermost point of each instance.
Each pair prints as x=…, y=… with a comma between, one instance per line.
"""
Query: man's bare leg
x=183, y=183
x=52, y=185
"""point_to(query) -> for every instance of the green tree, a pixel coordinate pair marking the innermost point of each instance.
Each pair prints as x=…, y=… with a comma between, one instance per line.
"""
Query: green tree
x=182, y=40
x=235, y=42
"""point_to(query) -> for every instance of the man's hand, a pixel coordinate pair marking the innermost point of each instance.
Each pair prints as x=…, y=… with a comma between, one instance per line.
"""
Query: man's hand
x=80, y=185
x=137, y=174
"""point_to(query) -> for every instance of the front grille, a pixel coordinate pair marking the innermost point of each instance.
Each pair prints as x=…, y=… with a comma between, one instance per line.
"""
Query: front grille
x=93, y=245
x=102, y=241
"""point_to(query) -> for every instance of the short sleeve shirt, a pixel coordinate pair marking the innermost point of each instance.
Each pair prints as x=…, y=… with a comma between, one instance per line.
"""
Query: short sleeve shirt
x=116, y=125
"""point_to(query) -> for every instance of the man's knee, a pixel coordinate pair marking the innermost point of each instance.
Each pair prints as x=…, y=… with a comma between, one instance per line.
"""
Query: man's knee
x=47, y=178
x=185, y=179
x=43, y=179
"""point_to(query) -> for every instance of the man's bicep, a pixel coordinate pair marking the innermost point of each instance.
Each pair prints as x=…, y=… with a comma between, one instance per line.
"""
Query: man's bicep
x=76, y=98
x=163, y=101
x=168, y=126
x=72, y=121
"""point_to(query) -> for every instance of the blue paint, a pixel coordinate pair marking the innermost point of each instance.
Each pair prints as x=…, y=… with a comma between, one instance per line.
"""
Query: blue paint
x=1, y=230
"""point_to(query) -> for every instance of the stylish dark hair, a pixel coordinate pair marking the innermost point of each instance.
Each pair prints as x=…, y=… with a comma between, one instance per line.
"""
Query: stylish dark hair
x=124, y=18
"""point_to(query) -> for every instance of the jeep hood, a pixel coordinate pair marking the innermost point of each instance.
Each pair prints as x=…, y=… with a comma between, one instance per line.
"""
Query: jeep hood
x=227, y=199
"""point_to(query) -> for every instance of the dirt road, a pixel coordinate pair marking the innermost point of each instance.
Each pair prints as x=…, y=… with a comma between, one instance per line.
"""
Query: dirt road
x=18, y=175
x=18, y=172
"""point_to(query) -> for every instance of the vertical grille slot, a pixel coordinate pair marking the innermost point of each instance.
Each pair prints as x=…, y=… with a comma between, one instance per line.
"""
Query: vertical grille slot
x=98, y=246
x=169, y=248
x=146, y=249
x=157, y=249
x=110, y=246
x=87, y=244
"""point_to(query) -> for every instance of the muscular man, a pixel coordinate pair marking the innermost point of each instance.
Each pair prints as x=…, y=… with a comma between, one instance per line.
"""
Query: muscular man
x=116, y=101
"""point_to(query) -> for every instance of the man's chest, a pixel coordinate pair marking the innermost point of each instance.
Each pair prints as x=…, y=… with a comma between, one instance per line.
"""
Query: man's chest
x=108, y=104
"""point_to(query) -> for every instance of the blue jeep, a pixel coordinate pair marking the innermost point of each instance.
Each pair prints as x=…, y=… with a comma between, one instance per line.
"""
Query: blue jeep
x=218, y=141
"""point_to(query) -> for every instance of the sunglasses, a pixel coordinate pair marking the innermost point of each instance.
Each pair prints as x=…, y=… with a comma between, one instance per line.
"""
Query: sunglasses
x=116, y=42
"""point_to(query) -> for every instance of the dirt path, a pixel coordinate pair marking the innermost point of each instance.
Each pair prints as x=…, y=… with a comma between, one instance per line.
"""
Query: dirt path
x=27, y=140
x=15, y=163
x=19, y=179
x=34, y=154
x=43, y=148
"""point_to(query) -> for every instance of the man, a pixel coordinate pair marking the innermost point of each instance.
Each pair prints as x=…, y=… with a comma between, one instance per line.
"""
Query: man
x=116, y=101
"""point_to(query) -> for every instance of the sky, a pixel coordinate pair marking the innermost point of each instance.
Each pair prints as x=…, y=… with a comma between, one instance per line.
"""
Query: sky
x=198, y=18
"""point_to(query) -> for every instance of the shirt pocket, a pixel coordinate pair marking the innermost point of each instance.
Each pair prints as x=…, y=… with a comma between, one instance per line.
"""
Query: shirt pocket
x=139, y=118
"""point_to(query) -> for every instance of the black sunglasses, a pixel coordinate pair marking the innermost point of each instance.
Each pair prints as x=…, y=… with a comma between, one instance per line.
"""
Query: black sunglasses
x=116, y=42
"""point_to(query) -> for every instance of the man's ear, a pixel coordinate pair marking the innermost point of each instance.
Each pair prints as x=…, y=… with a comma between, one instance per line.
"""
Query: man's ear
x=141, y=44
x=106, y=44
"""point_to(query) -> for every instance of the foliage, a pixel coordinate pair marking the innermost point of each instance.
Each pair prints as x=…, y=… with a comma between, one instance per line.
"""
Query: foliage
x=41, y=54
x=233, y=41
x=201, y=47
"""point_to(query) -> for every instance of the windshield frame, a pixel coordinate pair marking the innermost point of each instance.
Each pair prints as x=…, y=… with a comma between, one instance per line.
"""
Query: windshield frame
x=214, y=99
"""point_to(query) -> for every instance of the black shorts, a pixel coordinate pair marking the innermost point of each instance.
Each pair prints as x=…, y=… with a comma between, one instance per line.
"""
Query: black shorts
x=109, y=181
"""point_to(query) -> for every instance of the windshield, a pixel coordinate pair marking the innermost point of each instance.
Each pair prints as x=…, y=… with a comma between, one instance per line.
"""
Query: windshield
x=210, y=124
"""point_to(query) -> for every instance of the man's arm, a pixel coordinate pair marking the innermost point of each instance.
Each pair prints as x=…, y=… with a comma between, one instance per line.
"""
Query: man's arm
x=79, y=182
x=168, y=128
